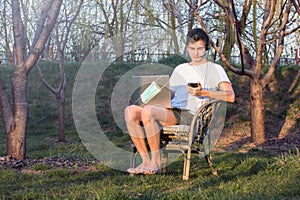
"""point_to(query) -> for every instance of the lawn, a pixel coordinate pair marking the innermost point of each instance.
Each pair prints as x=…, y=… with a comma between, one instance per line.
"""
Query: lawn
x=255, y=175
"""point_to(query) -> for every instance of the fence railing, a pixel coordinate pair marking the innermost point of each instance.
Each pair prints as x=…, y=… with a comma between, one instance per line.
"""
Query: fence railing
x=155, y=57
x=282, y=61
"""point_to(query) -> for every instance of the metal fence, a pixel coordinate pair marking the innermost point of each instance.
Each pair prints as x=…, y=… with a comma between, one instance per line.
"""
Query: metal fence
x=283, y=61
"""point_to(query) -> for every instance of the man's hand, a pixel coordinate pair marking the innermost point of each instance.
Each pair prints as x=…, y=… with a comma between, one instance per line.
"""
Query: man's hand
x=195, y=91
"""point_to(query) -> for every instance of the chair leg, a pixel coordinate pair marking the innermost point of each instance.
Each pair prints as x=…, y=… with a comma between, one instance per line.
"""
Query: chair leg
x=133, y=159
x=133, y=156
x=164, y=161
x=186, y=165
x=208, y=159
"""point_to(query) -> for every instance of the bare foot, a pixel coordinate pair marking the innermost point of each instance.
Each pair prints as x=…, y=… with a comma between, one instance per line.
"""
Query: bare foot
x=152, y=168
x=139, y=169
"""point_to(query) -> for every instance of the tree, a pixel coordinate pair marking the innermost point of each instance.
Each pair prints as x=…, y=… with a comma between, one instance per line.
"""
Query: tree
x=272, y=34
x=14, y=112
x=86, y=32
x=116, y=23
x=61, y=38
x=125, y=23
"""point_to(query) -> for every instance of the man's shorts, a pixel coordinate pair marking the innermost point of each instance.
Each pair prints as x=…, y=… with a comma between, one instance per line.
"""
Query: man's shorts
x=183, y=116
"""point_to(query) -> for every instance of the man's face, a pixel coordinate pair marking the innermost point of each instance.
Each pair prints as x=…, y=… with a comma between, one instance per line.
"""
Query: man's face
x=196, y=50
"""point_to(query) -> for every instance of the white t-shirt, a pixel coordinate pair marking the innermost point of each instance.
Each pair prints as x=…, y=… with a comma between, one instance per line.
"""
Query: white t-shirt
x=210, y=75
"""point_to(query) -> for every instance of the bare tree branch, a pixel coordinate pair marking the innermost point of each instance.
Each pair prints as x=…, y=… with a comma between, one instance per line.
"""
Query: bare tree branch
x=269, y=14
x=267, y=19
x=189, y=4
x=237, y=32
x=296, y=5
x=292, y=31
x=18, y=32
x=63, y=46
x=273, y=66
x=41, y=24
x=222, y=56
x=42, y=78
x=158, y=20
x=219, y=3
x=40, y=43
x=70, y=25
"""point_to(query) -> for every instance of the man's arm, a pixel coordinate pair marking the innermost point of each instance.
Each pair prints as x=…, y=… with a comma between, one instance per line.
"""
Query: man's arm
x=225, y=93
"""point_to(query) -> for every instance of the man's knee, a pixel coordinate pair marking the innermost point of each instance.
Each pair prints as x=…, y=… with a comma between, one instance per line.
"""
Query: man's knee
x=147, y=113
x=131, y=113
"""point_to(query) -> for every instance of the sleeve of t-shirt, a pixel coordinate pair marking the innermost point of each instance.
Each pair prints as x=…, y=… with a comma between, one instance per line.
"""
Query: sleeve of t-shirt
x=176, y=79
x=222, y=74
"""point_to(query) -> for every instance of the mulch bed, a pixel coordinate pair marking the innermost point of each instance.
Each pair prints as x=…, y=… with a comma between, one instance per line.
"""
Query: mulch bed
x=50, y=163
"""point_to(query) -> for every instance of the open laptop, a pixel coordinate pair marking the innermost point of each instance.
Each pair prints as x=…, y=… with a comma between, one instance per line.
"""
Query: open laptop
x=141, y=83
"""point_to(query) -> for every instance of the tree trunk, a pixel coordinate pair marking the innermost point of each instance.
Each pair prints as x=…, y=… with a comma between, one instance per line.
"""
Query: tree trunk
x=59, y=95
x=229, y=41
x=173, y=34
x=16, y=126
x=16, y=138
x=61, y=121
x=257, y=111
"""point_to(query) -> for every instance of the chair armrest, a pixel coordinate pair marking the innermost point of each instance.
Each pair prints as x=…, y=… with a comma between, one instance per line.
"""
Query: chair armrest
x=176, y=129
x=203, y=108
x=202, y=118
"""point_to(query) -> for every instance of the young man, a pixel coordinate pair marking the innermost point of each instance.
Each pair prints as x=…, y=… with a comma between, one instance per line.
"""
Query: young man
x=210, y=81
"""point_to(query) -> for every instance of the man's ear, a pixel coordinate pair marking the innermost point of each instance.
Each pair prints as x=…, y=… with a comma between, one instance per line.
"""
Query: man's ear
x=207, y=46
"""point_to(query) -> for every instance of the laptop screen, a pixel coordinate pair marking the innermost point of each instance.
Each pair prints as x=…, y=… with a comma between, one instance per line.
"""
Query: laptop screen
x=151, y=90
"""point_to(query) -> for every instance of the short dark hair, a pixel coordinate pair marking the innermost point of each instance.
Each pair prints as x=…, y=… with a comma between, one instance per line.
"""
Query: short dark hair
x=197, y=34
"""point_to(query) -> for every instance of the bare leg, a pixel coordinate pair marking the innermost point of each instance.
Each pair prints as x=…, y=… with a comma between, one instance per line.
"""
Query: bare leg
x=151, y=115
x=136, y=132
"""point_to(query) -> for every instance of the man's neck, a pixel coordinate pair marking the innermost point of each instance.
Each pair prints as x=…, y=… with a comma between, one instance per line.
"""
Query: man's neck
x=200, y=62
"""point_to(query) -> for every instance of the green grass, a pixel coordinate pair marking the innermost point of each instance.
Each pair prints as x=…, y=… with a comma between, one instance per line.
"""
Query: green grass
x=255, y=175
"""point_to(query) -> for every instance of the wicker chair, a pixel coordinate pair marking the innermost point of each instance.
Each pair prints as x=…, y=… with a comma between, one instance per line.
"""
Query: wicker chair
x=195, y=138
